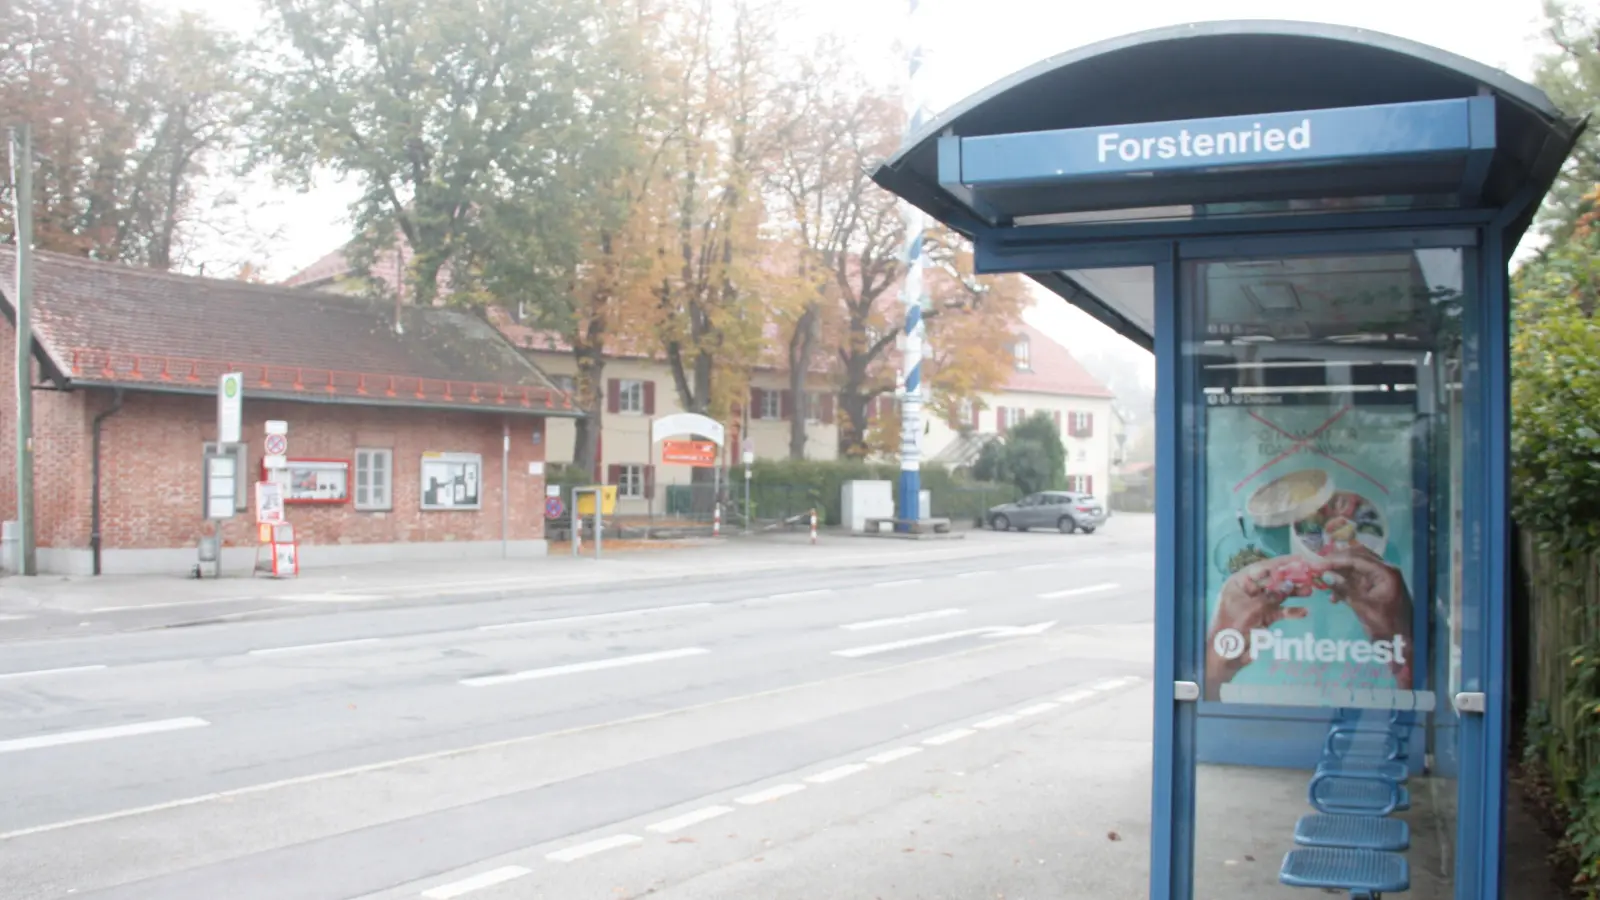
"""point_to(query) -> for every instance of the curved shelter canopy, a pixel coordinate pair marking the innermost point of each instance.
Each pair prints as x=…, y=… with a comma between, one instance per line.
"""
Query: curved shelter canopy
x=1399, y=127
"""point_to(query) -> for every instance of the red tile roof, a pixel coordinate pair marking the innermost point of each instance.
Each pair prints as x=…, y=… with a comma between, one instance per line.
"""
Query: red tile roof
x=1052, y=370
x=112, y=323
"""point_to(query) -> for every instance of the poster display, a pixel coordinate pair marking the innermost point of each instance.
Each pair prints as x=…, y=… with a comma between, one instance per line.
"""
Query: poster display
x=269, y=503
x=1308, y=579
x=452, y=481
x=313, y=480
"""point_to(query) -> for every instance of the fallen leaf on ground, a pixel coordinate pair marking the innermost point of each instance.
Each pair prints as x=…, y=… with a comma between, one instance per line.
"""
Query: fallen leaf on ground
x=1113, y=836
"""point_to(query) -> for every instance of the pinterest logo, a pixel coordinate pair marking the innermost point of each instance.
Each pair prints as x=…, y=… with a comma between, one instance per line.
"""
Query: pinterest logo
x=1228, y=643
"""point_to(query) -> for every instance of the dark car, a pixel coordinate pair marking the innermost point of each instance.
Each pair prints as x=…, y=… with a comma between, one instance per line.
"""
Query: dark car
x=1062, y=510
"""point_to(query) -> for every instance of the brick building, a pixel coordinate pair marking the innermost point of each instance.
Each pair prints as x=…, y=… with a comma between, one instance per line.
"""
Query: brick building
x=406, y=425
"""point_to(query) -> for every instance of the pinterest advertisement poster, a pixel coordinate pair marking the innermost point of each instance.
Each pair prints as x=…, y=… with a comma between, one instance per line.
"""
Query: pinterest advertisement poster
x=1309, y=552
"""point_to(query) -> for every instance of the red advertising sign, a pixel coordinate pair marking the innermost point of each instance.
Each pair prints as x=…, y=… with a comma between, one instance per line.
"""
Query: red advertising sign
x=693, y=453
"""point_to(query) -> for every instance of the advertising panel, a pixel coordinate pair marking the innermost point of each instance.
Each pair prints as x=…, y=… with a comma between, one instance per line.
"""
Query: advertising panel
x=1309, y=521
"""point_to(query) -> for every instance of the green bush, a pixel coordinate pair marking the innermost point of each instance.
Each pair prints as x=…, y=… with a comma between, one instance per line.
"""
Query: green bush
x=1555, y=454
x=788, y=486
x=1030, y=457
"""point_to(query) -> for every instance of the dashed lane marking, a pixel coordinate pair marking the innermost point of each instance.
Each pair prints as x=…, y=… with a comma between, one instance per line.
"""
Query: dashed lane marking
x=476, y=882
x=1080, y=591
x=889, y=756
x=837, y=773
x=67, y=670
x=594, y=665
x=949, y=737
x=995, y=722
x=667, y=826
x=100, y=734
x=769, y=794
x=1034, y=710
x=904, y=620
x=593, y=847
x=299, y=648
x=593, y=617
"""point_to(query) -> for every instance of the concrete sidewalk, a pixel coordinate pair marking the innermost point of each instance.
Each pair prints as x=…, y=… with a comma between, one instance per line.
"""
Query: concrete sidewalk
x=480, y=579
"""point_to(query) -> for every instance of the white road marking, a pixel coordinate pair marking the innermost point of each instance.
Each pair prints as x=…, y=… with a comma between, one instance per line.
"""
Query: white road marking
x=1113, y=683
x=330, y=597
x=1006, y=631
x=898, y=583
x=667, y=826
x=174, y=603
x=855, y=652
x=476, y=882
x=11, y=618
x=1080, y=591
x=62, y=671
x=1035, y=710
x=797, y=595
x=837, y=773
x=771, y=793
x=949, y=737
x=453, y=752
x=904, y=620
x=995, y=722
x=593, y=847
x=889, y=756
x=978, y=574
x=297, y=648
x=1034, y=567
x=595, y=617
x=100, y=734
x=1075, y=696
x=594, y=665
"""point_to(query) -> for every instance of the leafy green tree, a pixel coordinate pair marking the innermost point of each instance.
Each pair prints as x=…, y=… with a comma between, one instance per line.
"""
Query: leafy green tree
x=1030, y=456
x=437, y=108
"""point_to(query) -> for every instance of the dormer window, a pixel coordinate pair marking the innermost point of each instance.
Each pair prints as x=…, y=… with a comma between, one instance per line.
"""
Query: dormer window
x=1019, y=352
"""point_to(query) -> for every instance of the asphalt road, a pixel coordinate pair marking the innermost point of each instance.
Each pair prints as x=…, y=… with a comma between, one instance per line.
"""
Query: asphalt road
x=971, y=727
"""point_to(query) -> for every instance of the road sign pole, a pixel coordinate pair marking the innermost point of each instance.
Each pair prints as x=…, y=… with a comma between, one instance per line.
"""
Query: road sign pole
x=22, y=178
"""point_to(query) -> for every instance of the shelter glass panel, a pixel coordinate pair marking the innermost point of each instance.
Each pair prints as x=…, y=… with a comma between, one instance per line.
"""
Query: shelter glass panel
x=1328, y=543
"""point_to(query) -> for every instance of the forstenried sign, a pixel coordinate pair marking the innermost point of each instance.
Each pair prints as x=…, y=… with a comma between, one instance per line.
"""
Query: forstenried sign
x=1356, y=134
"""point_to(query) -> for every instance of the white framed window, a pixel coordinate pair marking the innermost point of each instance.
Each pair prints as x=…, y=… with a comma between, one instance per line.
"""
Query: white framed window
x=374, y=479
x=1015, y=415
x=1020, y=354
x=771, y=405
x=1080, y=424
x=630, y=482
x=1081, y=484
x=244, y=480
x=452, y=481
x=630, y=396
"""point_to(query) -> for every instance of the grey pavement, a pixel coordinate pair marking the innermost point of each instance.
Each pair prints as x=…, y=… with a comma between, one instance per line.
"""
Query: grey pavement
x=406, y=744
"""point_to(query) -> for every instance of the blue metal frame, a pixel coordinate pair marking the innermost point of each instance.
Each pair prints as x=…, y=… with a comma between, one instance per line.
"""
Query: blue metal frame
x=1172, y=814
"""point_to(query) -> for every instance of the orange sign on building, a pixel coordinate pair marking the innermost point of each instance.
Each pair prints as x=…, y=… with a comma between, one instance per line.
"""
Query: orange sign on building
x=694, y=453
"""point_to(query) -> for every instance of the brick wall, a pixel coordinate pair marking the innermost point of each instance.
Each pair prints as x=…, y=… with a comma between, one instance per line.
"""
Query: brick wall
x=153, y=450
x=60, y=444
x=152, y=456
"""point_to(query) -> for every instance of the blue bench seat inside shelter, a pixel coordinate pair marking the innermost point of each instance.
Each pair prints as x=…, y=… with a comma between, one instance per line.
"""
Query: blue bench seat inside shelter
x=1366, y=874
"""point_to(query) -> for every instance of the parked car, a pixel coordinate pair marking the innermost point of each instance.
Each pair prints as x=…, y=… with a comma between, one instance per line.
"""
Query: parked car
x=1062, y=510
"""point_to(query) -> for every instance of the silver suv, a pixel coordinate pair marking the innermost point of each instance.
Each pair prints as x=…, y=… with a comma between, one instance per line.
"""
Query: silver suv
x=1062, y=510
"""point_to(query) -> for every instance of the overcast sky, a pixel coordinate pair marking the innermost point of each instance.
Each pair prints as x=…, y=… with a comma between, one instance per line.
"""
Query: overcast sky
x=968, y=45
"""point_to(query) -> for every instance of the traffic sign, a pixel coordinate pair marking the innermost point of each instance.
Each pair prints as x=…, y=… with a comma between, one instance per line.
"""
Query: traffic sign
x=277, y=444
x=553, y=508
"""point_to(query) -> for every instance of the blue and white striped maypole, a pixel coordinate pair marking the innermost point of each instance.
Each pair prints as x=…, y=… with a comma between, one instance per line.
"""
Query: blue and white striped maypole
x=912, y=292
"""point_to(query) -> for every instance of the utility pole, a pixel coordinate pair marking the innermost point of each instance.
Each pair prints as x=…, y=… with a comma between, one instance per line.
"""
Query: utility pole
x=22, y=297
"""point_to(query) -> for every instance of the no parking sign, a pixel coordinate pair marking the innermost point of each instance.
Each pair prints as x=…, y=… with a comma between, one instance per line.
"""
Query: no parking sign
x=553, y=507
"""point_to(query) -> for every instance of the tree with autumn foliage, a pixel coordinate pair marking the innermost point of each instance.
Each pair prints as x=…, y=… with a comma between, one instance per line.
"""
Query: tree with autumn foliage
x=131, y=112
x=710, y=309
x=580, y=244
x=842, y=230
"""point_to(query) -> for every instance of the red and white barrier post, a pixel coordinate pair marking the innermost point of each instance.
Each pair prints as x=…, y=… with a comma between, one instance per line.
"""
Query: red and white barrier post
x=813, y=526
x=716, y=520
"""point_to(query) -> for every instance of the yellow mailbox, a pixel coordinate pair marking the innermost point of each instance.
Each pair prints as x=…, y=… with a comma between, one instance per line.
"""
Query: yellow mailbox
x=608, y=499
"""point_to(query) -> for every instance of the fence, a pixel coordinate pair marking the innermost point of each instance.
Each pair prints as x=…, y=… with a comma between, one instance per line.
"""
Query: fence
x=1560, y=636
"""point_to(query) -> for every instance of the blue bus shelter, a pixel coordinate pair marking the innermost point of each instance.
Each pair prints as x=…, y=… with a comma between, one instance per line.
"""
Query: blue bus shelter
x=1310, y=227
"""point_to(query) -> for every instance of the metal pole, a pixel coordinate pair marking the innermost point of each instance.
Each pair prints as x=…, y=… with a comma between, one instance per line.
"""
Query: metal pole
x=912, y=294
x=505, y=492
x=576, y=522
x=22, y=179
x=599, y=520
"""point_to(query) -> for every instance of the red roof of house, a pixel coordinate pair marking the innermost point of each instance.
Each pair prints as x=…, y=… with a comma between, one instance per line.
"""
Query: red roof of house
x=1052, y=370
x=115, y=324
